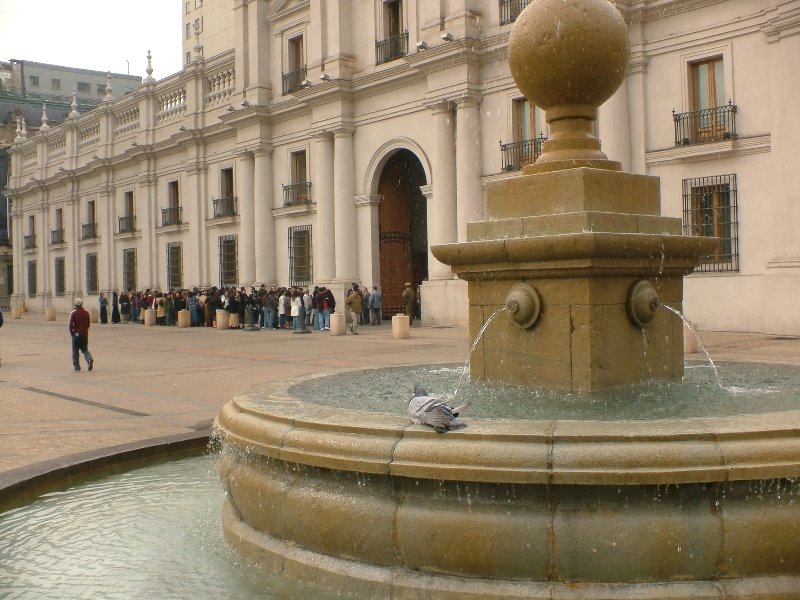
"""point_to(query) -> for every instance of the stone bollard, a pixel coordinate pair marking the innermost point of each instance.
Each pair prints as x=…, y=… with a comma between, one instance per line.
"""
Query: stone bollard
x=223, y=319
x=184, y=318
x=16, y=313
x=401, y=329
x=338, y=323
x=150, y=316
x=94, y=315
x=689, y=340
x=49, y=314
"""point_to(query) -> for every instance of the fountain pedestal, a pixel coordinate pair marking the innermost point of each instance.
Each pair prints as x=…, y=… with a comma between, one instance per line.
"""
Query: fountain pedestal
x=582, y=238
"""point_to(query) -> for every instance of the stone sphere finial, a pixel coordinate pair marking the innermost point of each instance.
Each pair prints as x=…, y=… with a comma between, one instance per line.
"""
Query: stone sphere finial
x=568, y=57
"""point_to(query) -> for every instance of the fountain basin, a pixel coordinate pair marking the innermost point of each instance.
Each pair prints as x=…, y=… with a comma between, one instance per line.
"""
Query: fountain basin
x=377, y=507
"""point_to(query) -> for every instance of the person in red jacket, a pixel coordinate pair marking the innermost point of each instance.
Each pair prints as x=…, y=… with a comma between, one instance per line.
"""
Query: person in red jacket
x=79, y=332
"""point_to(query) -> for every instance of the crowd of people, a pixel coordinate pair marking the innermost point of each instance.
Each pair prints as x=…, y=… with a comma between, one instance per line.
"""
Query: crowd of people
x=272, y=308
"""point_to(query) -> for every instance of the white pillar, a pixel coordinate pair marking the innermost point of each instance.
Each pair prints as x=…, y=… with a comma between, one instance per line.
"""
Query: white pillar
x=245, y=199
x=442, y=207
x=323, y=237
x=196, y=200
x=264, y=224
x=637, y=107
x=469, y=193
x=614, y=128
x=368, y=256
x=344, y=218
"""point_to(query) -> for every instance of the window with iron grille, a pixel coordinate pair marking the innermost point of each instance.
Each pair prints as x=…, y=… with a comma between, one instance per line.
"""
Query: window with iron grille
x=61, y=276
x=228, y=261
x=300, y=255
x=32, y=278
x=710, y=209
x=91, y=273
x=510, y=10
x=129, y=269
x=174, y=266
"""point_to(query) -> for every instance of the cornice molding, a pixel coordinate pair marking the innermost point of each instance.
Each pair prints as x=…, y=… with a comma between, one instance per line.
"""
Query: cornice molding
x=784, y=24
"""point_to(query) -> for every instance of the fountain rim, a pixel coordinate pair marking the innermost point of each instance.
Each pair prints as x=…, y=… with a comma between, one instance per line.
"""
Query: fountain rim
x=666, y=451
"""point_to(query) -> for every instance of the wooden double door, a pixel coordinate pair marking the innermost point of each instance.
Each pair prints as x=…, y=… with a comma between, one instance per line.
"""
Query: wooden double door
x=402, y=229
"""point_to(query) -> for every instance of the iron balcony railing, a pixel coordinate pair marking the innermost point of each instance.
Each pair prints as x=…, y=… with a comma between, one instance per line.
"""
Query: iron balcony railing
x=297, y=193
x=293, y=80
x=708, y=125
x=391, y=48
x=29, y=241
x=56, y=236
x=518, y=154
x=510, y=10
x=88, y=231
x=126, y=224
x=171, y=216
x=224, y=207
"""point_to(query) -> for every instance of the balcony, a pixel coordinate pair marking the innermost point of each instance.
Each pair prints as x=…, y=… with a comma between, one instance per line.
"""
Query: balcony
x=297, y=193
x=293, y=80
x=704, y=126
x=88, y=231
x=126, y=224
x=171, y=216
x=510, y=9
x=224, y=207
x=29, y=242
x=391, y=48
x=56, y=237
x=518, y=154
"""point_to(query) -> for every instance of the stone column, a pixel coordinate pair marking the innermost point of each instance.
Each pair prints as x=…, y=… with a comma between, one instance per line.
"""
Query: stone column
x=323, y=237
x=107, y=219
x=264, y=223
x=368, y=254
x=344, y=218
x=195, y=201
x=637, y=106
x=72, y=232
x=442, y=227
x=614, y=127
x=245, y=203
x=148, y=255
x=469, y=193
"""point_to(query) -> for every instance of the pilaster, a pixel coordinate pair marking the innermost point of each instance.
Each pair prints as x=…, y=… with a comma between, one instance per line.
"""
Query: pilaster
x=469, y=193
x=323, y=235
x=264, y=223
x=442, y=207
x=245, y=167
x=368, y=256
x=346, y=245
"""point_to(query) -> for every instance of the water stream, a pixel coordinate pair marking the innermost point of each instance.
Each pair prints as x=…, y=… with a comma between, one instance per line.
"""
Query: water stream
x=699, y=341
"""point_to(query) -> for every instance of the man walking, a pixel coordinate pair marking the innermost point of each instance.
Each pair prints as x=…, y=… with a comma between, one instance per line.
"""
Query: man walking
x=375, y=304
x=408, y=301
x=79, y=332
x=355, y=305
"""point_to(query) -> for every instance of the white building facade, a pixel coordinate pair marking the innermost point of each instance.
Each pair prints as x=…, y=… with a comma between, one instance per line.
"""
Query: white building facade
x=336, y=142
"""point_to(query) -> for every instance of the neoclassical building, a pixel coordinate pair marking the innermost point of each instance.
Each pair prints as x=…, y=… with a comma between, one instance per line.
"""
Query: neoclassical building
x=312, y=142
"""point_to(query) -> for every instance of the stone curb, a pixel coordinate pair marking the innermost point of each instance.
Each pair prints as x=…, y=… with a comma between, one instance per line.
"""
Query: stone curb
x=23, y=485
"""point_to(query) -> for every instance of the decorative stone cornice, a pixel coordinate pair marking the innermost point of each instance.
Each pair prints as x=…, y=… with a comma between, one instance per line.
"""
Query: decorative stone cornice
x=712, y=151
x=784, y=24
x=638, y=63
x=367, y=200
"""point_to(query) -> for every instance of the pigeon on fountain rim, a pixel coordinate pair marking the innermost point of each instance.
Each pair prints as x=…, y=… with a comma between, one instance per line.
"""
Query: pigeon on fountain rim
x=427, y=410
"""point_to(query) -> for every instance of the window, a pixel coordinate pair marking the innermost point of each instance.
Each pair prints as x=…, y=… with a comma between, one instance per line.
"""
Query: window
x=29, y=240
x=174, y=266
x=188, y=7
x=188, y=57
x=91, y=273
x=300, y=255
x=198, y=3
x=710, y=209
x=101, y=88
x=395, y=40
x=226, y=182
x=88, y=229
x=84, y=87
x=31, y=278
x=295, y=65
x=55, y=84
x=529, y=134
x=61, y=276
x=228, y=264
x=34, y=80
x=129, y=269
x=57, y=233
x=188, y=35
x=709, y=119
x=172, y=214
x=510, y=10
x=298, y=192
x=126, y=222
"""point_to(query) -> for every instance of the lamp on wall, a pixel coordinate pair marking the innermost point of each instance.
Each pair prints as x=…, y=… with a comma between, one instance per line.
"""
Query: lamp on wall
x=448, y=37
x=325, y=77
x=422, y=45
x=305, y=84
x=230, y=108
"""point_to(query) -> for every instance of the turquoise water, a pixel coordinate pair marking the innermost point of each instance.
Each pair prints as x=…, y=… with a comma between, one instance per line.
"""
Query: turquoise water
x=742, y=389
x=152, y=533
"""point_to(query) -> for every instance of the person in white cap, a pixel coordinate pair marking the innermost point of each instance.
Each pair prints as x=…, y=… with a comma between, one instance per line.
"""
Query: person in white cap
x=79, y=332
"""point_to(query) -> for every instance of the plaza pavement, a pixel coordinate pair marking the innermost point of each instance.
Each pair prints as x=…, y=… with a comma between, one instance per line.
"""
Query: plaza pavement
x=154, y=384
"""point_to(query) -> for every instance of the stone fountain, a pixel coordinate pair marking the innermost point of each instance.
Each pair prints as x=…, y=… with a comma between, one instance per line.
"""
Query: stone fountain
x=577, y=254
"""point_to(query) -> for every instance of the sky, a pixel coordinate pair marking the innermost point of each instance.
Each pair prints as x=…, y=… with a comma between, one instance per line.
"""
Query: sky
x=102, y=35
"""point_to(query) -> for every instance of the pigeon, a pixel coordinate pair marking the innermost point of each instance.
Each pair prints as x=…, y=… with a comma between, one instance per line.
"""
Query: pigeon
x=427, y=410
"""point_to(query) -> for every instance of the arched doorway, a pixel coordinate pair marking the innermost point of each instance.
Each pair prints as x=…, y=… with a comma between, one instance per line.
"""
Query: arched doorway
x=402, y=228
